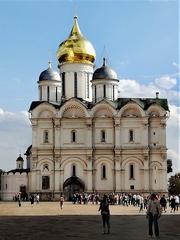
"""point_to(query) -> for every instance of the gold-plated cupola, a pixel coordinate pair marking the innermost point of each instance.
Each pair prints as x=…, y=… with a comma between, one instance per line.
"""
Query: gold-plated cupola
x=76, y=49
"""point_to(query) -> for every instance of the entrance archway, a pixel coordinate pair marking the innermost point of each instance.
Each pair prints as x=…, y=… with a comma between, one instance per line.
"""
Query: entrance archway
x=72, y=185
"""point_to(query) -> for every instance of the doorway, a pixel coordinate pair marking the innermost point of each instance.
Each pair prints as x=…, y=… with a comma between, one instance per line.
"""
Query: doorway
x=72, y=185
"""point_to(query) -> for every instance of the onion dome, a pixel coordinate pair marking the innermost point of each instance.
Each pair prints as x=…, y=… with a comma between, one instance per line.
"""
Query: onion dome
x=49, y=74
x=20, y=158
x=104, y=72
x=76, y=49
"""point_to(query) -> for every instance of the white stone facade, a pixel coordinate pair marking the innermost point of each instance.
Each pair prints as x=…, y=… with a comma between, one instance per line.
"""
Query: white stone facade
x=144, y=152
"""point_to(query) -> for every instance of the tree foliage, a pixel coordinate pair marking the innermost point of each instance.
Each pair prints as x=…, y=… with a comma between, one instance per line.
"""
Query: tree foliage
x=174, y=184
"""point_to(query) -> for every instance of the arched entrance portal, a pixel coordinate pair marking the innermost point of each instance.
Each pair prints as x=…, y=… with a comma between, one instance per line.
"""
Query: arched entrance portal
x=72, y=185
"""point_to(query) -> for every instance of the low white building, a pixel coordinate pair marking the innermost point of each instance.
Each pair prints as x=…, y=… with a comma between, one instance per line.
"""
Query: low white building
x=85, y=137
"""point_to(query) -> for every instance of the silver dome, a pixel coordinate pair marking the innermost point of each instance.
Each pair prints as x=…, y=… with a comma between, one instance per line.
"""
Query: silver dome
x=104, y=72
x=49, y=74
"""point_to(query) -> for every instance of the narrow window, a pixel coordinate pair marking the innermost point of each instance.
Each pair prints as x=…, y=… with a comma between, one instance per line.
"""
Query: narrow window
x=46, y=137
x=6, y=186
x=56, y=94
x=40, y=93
x=104, y=90
x=48, y=93
x=87, y=85
x=154, y=133
x=103, y=171
x=131, y=136
x=113, y=92
x=131, y=171
x=63, y=84
x=73, y=170
x=103, y=136
x=95, y=93
x=75, y=85
x=155, y=181
x=73, y=136
x=45, y=182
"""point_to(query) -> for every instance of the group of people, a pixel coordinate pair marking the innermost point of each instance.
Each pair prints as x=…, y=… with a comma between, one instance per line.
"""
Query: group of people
x=153, y=204
x=32, y=198
x=153, y=213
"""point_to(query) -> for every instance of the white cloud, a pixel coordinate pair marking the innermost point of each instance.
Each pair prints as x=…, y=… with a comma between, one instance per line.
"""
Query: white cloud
x=176, y=65
x=15, y=137
x=166, y=82
x=173, y=137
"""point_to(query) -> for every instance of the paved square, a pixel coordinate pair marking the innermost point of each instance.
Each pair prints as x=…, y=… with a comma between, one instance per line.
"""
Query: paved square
x=81, y=222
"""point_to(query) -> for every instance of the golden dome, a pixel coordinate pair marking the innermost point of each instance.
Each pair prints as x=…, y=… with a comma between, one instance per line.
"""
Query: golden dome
x=76, y=48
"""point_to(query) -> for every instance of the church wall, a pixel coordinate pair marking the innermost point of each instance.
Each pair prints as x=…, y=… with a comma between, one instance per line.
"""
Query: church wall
x=104, y=184
x=11, y=184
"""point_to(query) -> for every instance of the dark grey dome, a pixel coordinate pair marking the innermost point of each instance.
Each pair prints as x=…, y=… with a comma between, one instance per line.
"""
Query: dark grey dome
x=104, y=72
x=20, y=158
x=49, y=74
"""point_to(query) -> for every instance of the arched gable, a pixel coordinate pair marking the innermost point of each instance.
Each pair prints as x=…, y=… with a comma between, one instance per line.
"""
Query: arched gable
x=103, y=159
x=103, y=109
x=155, y=164
x=73, y=109
x=44, y=110
x=42, y=163
x=132, y=160
x=156, y=111
x=131, y=109
x=73, y=160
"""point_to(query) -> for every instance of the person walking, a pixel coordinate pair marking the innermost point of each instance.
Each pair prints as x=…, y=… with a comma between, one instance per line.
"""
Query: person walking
x=19, y=199
x=153, y=214
x=105, y=213
x=61, y=201
x=163, y=202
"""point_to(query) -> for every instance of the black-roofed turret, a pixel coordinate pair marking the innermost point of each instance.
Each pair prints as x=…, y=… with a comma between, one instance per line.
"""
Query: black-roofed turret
x=104, y=83
x=19, y=162
x=49, y=85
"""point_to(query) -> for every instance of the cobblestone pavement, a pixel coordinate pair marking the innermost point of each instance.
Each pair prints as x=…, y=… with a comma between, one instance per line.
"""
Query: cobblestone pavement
x=79, y=222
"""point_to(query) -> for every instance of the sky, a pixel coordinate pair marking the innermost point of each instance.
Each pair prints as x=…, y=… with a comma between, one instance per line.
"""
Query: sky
x=138, y=37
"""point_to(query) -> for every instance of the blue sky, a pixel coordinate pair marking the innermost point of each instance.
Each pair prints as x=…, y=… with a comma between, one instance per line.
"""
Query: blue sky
x=139, y=38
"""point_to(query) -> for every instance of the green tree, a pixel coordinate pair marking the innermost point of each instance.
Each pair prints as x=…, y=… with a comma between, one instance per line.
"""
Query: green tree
x=174, y=184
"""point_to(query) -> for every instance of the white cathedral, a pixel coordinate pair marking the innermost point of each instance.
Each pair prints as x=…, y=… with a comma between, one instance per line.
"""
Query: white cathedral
x=85, y=136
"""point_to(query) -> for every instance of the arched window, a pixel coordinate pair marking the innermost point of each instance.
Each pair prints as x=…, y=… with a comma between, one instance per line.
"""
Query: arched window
x=40, y=93
x=45, y=167
x=45, y=182
x=131, y=135
x=73, y=136
x=87, y=85
x=63, y=84
x=75, y=84
x=104, y=90
x=103, y=136
x=95, y=93
x=48, y=93
x=113, y=92
x=73, y=170
x=103, y=174
x=46, y=136
x=131, y=171
x=56, y=94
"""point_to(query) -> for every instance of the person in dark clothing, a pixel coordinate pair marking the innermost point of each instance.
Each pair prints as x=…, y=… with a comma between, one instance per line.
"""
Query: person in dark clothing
x=105, y=213
x=153, y=214
x=163, y=202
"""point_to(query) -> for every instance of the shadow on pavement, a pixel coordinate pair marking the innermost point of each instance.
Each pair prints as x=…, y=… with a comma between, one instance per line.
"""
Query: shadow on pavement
x=84, y=227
